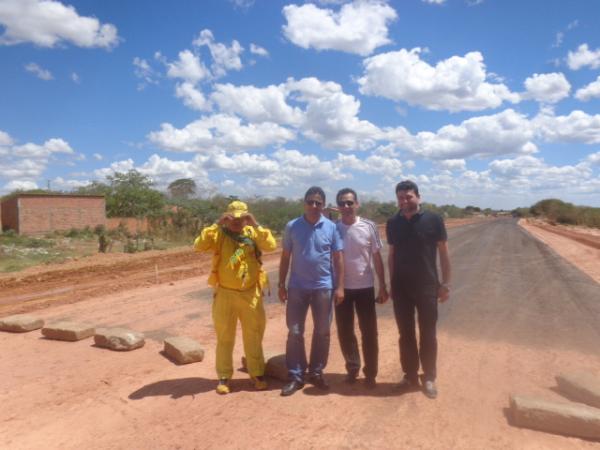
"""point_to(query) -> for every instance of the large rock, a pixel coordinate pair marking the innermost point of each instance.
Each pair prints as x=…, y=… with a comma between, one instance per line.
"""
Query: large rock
x=183, y=350
x=580, y=387
x=120, y=339
x=275, y=366
x=20, y=323
x=68, y=331
x=573, y=419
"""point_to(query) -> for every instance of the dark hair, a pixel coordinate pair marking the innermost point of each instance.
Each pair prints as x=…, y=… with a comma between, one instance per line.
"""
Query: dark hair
x=407, y=185
x=314, y=190
x=344, y=192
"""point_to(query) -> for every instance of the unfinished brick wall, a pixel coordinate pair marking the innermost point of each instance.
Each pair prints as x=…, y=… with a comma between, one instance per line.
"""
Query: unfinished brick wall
x=38, y=214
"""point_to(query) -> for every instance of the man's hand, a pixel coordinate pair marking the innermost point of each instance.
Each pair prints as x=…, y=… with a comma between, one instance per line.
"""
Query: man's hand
x=224, y=219
x=282, y=294
x=443, y=293
x=382, y=295
x=338, y=295
x=250, y=220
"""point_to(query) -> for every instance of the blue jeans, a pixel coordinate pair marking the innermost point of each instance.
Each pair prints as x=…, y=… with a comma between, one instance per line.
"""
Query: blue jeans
x=321, y=305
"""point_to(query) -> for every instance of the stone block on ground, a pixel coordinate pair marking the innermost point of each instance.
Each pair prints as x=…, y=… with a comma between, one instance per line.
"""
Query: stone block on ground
x=183, y=350
x=120, y=339
x=580, y=387
x=275, y=366
x=571, y=419
x=68, y=331
x=20, y=323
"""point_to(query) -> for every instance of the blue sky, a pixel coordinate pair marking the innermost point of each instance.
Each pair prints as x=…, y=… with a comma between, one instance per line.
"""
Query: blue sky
x=481, y=102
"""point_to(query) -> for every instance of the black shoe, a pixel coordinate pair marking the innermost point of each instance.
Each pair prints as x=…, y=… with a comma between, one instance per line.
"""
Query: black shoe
x=408, y=385
x=319, y=382
x=291, y=387
x=370, y=383
x=351, y=378
x=429, y=389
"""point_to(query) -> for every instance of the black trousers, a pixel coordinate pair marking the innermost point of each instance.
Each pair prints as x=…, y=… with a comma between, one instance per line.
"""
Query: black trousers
x=424, y=301
x=363, y=300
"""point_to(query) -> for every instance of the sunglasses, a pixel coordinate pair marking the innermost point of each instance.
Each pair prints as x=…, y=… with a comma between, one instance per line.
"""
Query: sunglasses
x=316, y=203
x=345, y=203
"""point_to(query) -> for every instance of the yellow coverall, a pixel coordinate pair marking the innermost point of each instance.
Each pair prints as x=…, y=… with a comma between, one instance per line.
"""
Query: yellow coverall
x=237, y=298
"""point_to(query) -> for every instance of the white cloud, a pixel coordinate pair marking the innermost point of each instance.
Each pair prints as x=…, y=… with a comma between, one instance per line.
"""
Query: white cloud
x=330, y=116
x=67, y=184
x=594, y=158
x=589, y=92
x=253, y=165
x=24, y=164
x=35, y=69
x=301, y=167
x=258, y=50
x=49, y=147
x=219, y=132
x=333, y=122
x=558, y=39
x=224, y=58
x=530, y=173
x=144, y=72
x=359, y=27
x=577, y=126
x=547, y=87
x=75, y=78
x=188, y=67
x=455, y=84
x=257, y=104
x=49, y=23
x=5, y=139
x=20, y=185
x=507, y=132
x=192, y=97
x=583, y=57
x=98, y=156
x=458, y=165
x=434, y=2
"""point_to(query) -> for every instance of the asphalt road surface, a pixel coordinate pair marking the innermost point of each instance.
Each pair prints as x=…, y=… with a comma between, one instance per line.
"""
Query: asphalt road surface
x=507, y=285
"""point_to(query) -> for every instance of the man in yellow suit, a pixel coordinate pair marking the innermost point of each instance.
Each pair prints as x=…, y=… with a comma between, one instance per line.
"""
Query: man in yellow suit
x=237, y=242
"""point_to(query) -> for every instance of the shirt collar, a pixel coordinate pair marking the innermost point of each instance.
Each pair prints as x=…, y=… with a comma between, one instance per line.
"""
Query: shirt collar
x=317, y=223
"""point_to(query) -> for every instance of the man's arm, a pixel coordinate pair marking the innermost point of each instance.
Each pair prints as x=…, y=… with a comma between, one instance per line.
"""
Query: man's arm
x=382, y=295
x=338, y=265
x=391, y=267
x=284, y=265
x=444, y=290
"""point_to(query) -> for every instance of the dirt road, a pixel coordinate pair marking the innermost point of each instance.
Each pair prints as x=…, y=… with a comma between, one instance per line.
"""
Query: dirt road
x=518, y=315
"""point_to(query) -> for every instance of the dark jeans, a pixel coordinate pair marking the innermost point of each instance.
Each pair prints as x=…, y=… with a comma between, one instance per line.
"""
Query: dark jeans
x=424, y=301
x=364, y=302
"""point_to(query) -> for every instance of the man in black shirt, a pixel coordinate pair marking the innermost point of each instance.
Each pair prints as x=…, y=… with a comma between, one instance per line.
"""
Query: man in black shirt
x=415, y=238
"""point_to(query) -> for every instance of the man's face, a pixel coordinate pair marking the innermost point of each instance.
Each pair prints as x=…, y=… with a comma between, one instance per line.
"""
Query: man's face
x=237, y=225
x=347, y=205
x=313, y=206
x=408, y=201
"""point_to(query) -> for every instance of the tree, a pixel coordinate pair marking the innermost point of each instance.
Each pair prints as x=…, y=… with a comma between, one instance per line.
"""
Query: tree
x=183, y=188
x=131, y=195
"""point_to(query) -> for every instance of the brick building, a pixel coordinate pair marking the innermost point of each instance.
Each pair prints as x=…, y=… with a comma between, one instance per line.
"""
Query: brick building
x=43, y=213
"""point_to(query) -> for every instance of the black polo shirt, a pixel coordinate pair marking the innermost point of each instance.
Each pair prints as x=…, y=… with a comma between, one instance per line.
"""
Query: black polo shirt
x=415, y=248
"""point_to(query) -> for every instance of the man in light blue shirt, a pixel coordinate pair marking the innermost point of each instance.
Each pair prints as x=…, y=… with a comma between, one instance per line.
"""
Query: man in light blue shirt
x=314, y=246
